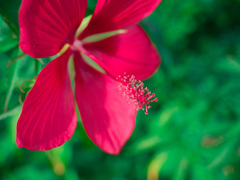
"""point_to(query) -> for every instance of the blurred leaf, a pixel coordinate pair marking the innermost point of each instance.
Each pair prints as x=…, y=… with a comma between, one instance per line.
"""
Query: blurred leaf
x=222, y=154
x=9, y=12
x=166, y=115
x=182, y=170
x=200, y=172
x=8, y=44
x=85, y=140
x=72, y=175
x=234, y=132
x=11, y=113
x=56, y=160
x=156, y=165
x=28, y=172
x=13, y=72
x=146, y=144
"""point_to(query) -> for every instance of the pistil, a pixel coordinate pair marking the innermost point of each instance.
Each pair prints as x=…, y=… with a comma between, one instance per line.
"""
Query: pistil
x=131, y=88
x=135, y=92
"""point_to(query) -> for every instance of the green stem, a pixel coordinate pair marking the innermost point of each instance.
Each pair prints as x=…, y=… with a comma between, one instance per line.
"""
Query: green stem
x=10, y=91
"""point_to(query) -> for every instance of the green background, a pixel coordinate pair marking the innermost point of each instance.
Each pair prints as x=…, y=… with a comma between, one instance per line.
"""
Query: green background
x=192, y=132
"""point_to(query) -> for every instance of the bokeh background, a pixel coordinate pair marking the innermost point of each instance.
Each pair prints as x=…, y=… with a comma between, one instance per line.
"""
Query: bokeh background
x=192, y=132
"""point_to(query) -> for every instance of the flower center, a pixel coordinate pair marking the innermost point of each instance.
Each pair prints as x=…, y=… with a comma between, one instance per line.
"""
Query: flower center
x=77, y=45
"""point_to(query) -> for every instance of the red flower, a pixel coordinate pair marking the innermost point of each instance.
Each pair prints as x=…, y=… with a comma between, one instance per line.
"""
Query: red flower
x=48, y=118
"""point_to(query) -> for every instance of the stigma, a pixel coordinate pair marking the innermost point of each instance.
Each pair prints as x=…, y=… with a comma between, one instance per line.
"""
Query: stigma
x=135, y=92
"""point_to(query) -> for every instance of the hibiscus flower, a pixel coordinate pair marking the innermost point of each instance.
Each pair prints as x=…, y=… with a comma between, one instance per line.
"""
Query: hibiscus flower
x=127, y=55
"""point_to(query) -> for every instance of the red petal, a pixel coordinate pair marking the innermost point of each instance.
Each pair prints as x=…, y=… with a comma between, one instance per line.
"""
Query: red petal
x=45, y=25
x=106, y=116
x=48, y=117
x=131, y=52
x=111, y=15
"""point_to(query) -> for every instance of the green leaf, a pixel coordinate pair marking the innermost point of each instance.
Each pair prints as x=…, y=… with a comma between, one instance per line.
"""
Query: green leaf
x=8, y=44
x=9, y=12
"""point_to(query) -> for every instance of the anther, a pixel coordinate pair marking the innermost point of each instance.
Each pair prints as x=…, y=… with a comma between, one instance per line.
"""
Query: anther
x=135, y=93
